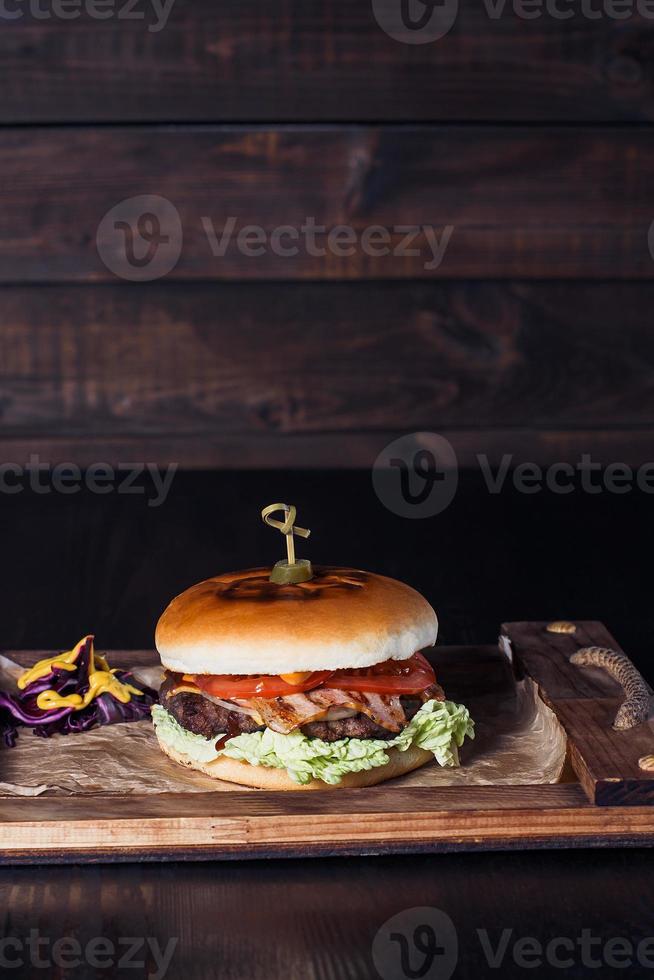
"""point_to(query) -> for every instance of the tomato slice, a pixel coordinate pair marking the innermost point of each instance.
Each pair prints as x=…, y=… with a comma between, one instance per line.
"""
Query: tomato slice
x=391, y=677
x=230, y=686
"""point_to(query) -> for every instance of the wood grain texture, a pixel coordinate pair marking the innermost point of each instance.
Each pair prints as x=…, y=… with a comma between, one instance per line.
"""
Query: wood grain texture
x=316, y=920
x=585, y=701
x=323, y=59
x=523, y=202
x=329, y=451
x=170, y=827
x=606, y=761
x=271, y=373
x=546, y=657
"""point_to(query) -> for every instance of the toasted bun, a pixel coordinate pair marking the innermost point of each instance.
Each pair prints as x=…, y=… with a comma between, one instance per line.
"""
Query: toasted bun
x=241, y=623
x=260, y=777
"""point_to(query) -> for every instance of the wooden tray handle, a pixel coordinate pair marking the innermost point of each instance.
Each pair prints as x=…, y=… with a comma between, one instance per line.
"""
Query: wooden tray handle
x=635, y=708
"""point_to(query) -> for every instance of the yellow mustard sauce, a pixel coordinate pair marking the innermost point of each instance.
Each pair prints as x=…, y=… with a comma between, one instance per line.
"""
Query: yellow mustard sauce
x=66, y=661
x=101, y=680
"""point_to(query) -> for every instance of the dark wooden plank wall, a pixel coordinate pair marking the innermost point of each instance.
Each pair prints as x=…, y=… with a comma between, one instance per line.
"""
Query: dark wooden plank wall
x=529, y=202
x=310, y=60
x=530, y=138
x=271, y=372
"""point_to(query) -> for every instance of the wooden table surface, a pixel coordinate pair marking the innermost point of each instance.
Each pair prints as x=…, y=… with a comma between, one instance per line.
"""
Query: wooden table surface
x=318, y=919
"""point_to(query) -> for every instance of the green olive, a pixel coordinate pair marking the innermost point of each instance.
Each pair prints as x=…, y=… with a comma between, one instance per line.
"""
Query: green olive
x=285, y=574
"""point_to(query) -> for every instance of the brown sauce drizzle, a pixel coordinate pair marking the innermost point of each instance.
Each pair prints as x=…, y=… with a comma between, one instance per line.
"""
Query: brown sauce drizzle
x=232, y=730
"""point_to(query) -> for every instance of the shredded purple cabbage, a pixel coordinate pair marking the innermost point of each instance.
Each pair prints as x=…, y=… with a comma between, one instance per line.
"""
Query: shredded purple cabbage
x=22, y=711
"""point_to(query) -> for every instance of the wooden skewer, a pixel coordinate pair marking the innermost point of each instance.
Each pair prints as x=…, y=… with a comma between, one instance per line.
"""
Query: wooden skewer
x=287, y=527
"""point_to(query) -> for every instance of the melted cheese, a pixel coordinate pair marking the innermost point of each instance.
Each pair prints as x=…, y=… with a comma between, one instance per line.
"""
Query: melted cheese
x=183, y=688
x=299, y=677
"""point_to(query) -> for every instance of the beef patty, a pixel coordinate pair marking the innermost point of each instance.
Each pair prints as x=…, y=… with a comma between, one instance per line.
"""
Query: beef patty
x=358, y=726
x=203, y=717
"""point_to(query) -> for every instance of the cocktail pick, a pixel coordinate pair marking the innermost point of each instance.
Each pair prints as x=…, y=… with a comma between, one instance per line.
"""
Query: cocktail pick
x=291, y=571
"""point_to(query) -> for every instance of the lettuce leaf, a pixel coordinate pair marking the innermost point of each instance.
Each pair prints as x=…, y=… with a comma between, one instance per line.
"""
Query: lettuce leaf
x=169, y=731
x=439, y=727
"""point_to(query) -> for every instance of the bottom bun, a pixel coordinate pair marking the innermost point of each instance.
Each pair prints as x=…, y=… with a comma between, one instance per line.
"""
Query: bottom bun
x=263, y=777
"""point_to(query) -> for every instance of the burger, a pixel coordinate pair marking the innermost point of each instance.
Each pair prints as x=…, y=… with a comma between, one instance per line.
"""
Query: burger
x=303, y=685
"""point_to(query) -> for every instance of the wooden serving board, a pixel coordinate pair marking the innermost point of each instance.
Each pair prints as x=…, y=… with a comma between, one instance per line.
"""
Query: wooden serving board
x=607, y=801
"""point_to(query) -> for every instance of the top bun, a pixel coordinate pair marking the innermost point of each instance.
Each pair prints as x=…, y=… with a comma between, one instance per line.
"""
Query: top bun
x=242, y=623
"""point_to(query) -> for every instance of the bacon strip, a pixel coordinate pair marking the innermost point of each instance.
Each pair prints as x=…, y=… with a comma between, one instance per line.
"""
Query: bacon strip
x=295, y=710
x=432, y=693
x=285, y=714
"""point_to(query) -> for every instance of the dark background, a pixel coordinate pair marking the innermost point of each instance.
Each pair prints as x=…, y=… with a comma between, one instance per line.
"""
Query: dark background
x=111, y=563
x=270, y=378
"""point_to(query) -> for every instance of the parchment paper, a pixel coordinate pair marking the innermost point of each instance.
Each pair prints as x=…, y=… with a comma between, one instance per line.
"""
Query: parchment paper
x=518, y=741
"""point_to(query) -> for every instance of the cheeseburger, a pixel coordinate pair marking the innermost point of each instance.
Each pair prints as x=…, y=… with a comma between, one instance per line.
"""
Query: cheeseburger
x=278, y=680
